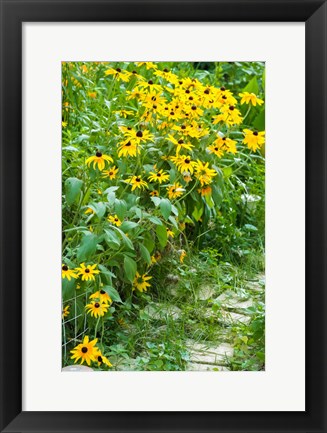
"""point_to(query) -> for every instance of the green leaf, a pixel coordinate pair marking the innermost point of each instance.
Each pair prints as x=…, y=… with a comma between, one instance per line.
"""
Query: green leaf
x=252, y=86
x=148, y=242
x=162, y=235
x=125, y=239
x=87, y=247
x=99, y=209
x=165, y=207
x=145, y=253
x=259, y=121
x=127, y=226
x=155, y=220
x=68, y=288
x=111, y=238
x=130, y=268
x=156, y=201
x=197, y=213
x=120, y=208
x=113, y=293
x=73, y=188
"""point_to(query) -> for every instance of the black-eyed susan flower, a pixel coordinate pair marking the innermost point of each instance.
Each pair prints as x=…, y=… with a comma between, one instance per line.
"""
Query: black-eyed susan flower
x=137, y=136
x=92, y=95
x=118, y=74
x=137, y=182
x=180, y=144
x=154, y=193
x=141, y=282
x=97, y=309
x=99, y=160
x=85, y=351
x=253, y=139
x=170, y=233
x=89, y=210
x=203, y=173
x=182, y=255
x=205, y=191
x=65, y=311
x=128, y=148
x=67, y=273
x=100, y=359
x=183, y=163
x=155, y=257
x=175, y=190
x=102, y=296
x=158, y=176
x=248, y=98
x=111, y=173
x=114, y=220
x=87, y=272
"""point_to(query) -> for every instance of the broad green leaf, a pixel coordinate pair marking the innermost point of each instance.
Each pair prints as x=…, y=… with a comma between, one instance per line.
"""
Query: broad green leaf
x=73, y=188
x=149, y=242
x=68, y=288
x=127, y=226
x=252, y=86
x=162, y=235
x=145, y=253
x=113, y=293
x=165, y=207
x=99, y=209
x=259, y=121
x=111, y=238
x=120, y=208
x=156, y=200
x=155, y=220
x=130, y=268
x=87, y=247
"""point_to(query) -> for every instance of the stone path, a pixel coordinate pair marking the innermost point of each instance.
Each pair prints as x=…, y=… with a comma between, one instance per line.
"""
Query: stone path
x=226, y=310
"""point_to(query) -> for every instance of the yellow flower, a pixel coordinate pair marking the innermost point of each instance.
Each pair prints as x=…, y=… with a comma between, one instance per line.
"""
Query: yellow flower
x=174, y=191
x=183, y=163
x=148, y=65
x=182, y=256
x=111, y=173
x=170, y=232
x=129, y=148
x=230, y=115
x=92, y=95
x=89, y=210
x=101, y=359
x=203, y=173
x=64, y=124
x=85, y=351
x=114, y=220
x=180, y=144
x=253, y=139
x=155, y=257
x=159, y=176
x=96, y=309
x=67, y=273
x=125, y=113
x=102, y=296
x=87, y=272
x=137, y=182
x=118, y=74
x=140, y=282
x=99, y=159
x=216, y=149
x=65, y=311
x=138, y=136
x=149, y=86
x=250, y=97
x=206, y=190
x=154, y=193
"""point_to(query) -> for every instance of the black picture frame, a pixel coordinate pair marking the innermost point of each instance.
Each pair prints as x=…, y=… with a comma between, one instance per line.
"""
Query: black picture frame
x=13, y=14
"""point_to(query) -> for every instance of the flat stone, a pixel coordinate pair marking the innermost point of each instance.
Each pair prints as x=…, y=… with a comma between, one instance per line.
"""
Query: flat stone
x=229, y=299
x=205, y=293
x=77, y=368
x=227, y=318
x=194, y=366
x=162, y=312
x=207, y=354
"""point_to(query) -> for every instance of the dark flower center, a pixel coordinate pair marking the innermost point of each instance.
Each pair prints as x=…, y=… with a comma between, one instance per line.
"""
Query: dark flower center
x=98, y=154
x=138, y=179
x=187, y=91
x=84, y=349
x=165, y=70
x=134, y=72
x=216, y=148
x=183, y=127
x=139, y=134
x=150, y=82
x=65, y=268
x=222, y=89
x=187, y=161
x=180, y=82
x=191, y=98
x=207, y=91
x=155, y=107
x=180, y=141
x=193, y=107
x=129, y=128
x=255, y=133
x=172, y=113
x=102, y=292
x=158, y=174
x=224, y=138
x=87, y=270
x=154, y=98
x=224, y=97
x=232, y=107
x=100, y=359
x=128, y=144
x=110, y=173
x=97, y=305
x=116, y=219
x=118, y=70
